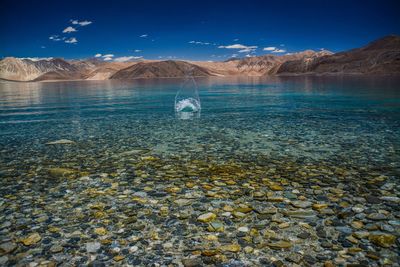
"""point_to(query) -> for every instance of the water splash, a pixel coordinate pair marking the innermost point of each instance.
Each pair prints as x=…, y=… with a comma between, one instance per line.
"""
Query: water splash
x=187, y=100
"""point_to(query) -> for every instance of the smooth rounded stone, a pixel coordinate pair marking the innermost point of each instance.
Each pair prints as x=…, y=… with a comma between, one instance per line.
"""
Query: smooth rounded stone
x=309, y=259
x=304, y=235
x=3, y=260
x=361, y=234
x=31, y=239
x=133, y=249
x=289, y=195
x=373, y=199
x=216, y=226
x=319, y=206
x=391, y=199
x=193, y=262
x=100, y=231
x=326, y=244
x=243, y=229
x=294, y=257
x=377, y=216
x=358, y=208
x=92, y=247
x=207, y=217
x=301, y=214
x=7, y=247
x=301, y=204
x=382, y=240
x=230, y=248
x=387, y=228
x=61, y=142
x=182, y=202
x=357, y=224
x=56, y=248
x=283, y=225
x=344, y=229
x=279, y=244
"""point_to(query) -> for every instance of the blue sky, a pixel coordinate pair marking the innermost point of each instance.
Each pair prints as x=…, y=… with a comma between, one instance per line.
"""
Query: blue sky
x=193, y=30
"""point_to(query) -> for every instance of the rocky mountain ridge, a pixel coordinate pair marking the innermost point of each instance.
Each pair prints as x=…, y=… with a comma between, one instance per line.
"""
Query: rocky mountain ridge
x=379, y=57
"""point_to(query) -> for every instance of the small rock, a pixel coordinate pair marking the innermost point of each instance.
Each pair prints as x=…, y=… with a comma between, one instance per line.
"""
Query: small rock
x=100, y=231
x=7, y=247
x=31, y=239
x=279, y=245
x=207, y=217
x=195, y=262
x=243, y=229
x=56, y=248
x=383, y=240
x=92, y=247
x=61, y=142
x=231, y=248
x=377, y=216
x=301, y=204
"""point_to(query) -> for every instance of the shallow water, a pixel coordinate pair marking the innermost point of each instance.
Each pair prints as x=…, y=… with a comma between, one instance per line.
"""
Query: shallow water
x=312, y=135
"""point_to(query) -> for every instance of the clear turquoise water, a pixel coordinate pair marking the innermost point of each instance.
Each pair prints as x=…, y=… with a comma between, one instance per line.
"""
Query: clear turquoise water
x=353, y=119
x=135, y=169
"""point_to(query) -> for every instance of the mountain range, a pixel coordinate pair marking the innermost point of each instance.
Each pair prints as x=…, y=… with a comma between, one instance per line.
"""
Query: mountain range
x=380, y=57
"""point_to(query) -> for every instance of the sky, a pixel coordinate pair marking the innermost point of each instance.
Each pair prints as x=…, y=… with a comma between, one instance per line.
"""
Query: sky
x=121, y=30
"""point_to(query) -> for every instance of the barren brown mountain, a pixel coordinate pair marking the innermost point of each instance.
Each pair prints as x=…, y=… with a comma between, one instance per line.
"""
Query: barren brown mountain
x=379, y=57
x=161, y=69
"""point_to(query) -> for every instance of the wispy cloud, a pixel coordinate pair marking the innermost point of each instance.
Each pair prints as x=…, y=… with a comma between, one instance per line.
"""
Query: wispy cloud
x=199, y=43
x=279, y=51
x=243, y=48
x=274, y=49
x=269, y=48
x=55, y=38
x=137, y=50
x=144, y=36
x=81, y=23
x=69, y=29
x=128, y=58
x=71, y=40
x=107, y=58
x=97, y=55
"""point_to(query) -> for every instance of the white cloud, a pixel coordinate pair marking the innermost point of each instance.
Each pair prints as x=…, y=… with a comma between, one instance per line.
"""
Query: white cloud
x=234, y=55
x=107, y=58
x=143, y=35
x=37, y=58
x=69, y=29
x=97, y=55
x=81, y=23
x=124, y=59
x=269, y=48
x=138, y=50
x=199, y=43
x=238, y=46
x=279, y=51
x=71, y=40
x=108, y=55
x=55, y=38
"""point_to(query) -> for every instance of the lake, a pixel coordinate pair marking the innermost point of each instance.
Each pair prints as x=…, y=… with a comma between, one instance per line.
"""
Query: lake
x=272, y=169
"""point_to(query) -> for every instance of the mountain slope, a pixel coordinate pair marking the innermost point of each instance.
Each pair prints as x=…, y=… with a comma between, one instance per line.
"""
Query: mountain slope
x=27, y=70
x=161, y=69
x=256, y=66
x=379, y=57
